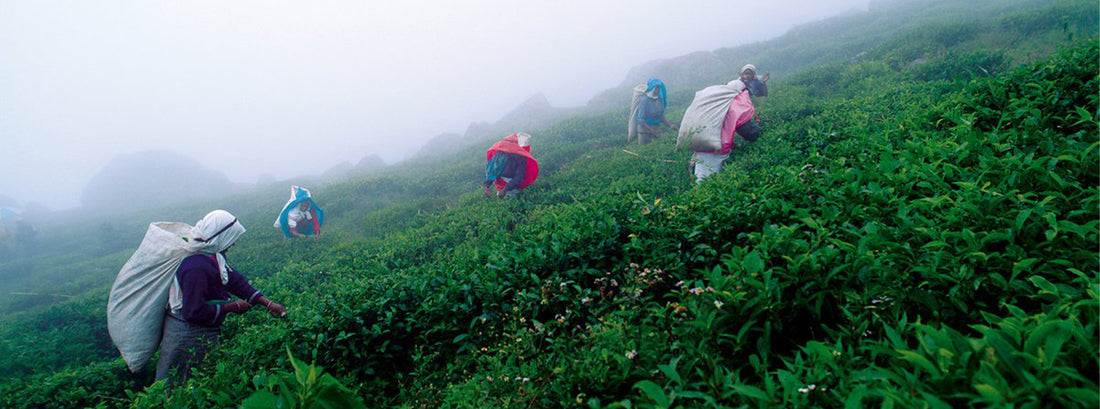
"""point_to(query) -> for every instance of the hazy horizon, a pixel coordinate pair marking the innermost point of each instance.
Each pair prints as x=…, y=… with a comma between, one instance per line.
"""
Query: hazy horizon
x=251, y=88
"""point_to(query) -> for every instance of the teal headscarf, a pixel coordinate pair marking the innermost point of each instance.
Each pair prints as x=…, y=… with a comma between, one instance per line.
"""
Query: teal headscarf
x=653, y=82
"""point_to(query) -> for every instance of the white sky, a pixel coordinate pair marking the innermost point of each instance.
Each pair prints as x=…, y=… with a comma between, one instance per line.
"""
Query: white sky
x=246, y=86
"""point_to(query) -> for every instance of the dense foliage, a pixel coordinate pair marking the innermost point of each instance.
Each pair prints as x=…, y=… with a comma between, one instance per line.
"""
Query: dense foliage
x=915, y=235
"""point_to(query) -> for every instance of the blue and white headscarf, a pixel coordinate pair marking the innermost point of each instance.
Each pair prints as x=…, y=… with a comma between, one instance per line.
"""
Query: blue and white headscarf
x=298, y=194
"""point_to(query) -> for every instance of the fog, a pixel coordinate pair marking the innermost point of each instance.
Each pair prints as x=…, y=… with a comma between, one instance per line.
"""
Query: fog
x=290, y=88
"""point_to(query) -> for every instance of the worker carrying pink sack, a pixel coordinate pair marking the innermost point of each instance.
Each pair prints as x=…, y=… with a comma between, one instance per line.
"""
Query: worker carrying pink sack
x=711, y=123
x=510, y=167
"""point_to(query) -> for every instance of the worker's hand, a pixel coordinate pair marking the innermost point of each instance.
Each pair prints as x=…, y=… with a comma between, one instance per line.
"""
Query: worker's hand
x=766, y=77
x=276, y=310
x=237, y=307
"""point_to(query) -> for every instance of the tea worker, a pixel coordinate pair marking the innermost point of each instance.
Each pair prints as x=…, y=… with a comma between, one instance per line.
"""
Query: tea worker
x=650, y=115
x=199, y=299
x=509, y=166
x=758, y=87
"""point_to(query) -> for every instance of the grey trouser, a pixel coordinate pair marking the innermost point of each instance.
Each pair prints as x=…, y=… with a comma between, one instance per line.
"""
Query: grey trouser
x=182, y=348
x=707, y=164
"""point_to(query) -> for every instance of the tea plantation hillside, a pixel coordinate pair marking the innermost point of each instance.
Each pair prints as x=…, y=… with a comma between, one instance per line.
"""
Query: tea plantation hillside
x=905, y=235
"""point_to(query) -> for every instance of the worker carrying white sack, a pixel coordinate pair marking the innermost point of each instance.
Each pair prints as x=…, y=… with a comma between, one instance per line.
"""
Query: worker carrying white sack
x=647, y=112
x=175, y=292
x=715, y=116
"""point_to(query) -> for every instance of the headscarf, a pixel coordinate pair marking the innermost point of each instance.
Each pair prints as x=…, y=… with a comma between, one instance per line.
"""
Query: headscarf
x=523, y=139
x=748, y=67
x=218, y=230
x=653, y=82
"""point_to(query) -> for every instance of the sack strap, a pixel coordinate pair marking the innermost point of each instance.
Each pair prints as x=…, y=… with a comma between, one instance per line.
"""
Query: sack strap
x=219, y=232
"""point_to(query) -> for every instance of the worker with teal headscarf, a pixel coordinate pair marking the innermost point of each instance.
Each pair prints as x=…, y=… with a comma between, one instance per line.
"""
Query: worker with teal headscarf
x=301, y=216
x=651, y=112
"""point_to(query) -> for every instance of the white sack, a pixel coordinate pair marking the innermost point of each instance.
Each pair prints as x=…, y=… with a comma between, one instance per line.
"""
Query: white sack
x=635, y=101
x=701, y=128
x=136, y=307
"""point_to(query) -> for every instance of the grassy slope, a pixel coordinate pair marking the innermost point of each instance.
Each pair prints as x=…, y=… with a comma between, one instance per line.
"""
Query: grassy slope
x=417, y=276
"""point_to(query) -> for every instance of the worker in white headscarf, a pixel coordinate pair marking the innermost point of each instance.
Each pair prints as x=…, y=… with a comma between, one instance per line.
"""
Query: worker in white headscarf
x=758, y=87
x=199, y=299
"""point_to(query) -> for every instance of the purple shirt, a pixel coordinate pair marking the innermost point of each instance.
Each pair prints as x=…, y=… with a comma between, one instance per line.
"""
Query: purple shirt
x=203, y=291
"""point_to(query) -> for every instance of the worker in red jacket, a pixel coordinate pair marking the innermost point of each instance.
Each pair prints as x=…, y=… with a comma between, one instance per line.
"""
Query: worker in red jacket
x=510, y=167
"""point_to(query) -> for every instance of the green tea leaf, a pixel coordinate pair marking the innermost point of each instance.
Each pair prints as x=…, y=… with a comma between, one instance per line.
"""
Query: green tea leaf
x=753, y=263
x=919, y=361
x=261, y=400
x=752, y=392
x=989, y=392
x=654, y=392
x=1044, y=286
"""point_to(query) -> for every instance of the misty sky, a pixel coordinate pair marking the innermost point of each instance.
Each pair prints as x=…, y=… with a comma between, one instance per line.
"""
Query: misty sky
x=253, y=87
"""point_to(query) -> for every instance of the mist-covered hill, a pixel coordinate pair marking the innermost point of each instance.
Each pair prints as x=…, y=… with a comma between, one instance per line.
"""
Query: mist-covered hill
x=893, y=32
x=144, y=180
x=531, y=116
x=917, y=228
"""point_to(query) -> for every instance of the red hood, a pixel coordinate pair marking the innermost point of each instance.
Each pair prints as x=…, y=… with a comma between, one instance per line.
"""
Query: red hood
x=510, y=144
